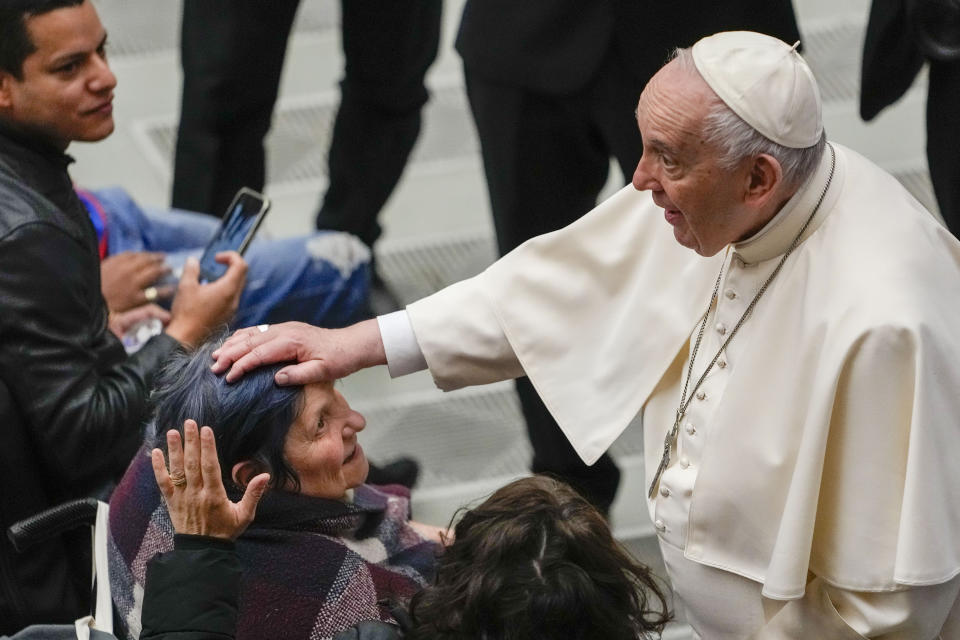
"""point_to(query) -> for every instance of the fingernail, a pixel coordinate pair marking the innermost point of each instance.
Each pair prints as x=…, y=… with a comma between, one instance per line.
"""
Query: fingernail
x=282, y=378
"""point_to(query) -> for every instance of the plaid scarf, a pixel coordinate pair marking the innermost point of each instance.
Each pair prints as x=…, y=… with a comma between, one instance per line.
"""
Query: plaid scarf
x=312, y=567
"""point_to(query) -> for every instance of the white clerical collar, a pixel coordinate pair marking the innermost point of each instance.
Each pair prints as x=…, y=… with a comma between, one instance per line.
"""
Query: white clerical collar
x=775, y=237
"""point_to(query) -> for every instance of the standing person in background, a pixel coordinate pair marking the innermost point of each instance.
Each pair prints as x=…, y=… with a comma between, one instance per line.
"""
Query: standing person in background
x=552, y=87
x=232, y=54
x=901, y=37
x=71, y=401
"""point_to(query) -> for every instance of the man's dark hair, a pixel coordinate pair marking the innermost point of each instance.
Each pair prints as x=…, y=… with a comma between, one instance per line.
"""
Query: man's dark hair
x=250, y=418
x=15, y=43
x=536, y=560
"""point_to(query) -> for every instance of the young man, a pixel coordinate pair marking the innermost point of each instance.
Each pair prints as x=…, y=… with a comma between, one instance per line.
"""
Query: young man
x=71, y=401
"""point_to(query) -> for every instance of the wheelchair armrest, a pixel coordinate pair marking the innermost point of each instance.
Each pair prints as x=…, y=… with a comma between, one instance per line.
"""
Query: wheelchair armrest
x=52, y=522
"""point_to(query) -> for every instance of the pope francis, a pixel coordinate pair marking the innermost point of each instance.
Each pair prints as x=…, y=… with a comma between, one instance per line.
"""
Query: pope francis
x=793, y=349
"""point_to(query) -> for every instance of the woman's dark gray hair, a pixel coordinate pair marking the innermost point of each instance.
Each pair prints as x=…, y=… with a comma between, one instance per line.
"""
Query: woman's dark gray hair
x=250, y=418
x=737, y=140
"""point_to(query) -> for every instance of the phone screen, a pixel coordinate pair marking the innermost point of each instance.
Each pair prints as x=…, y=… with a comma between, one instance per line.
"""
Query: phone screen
x=239, y=224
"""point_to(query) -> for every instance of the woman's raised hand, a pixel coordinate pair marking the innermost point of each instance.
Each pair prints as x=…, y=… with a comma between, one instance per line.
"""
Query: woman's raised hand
x=193, y=487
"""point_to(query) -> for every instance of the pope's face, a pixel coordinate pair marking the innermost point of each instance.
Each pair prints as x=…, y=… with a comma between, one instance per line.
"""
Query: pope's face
x=702, y=201
x=322, y=444
x=66, y=92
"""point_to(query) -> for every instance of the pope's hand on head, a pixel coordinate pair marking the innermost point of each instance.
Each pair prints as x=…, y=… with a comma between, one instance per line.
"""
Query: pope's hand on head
x=193, y=487
x=321, y=354
x=200, y=308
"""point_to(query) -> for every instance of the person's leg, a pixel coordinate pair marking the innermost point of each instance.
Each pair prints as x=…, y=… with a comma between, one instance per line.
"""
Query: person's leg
x=232, y=54
x=545, y=164
x=388, y=47
x=322, y=279
x=943, y=132
x=175, y=230
x=131, y=227
x=613, y=104
x=544, y=161
x=125, y=220
x=553, y=454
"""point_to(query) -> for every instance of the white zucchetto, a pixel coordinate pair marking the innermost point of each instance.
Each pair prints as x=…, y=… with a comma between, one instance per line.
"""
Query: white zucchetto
x=766, y=82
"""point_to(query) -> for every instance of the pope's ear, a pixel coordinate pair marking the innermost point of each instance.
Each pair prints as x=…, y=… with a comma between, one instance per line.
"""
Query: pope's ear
x=6, y=89
x=766, y=176
x=243, y=472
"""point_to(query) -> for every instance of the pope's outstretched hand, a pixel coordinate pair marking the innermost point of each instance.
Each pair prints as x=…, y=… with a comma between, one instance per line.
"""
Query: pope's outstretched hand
x=319, y=354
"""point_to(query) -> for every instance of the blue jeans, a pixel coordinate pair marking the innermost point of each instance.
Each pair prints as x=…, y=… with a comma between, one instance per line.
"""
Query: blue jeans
x=322, y=278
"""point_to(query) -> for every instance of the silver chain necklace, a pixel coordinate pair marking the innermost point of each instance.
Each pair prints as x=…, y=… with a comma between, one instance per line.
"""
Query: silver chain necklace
x=671, y=437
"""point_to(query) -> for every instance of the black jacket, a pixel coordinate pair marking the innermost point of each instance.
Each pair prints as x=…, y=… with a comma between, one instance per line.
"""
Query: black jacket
x=555, y=46
x=191, y=594
x=891, y=57
x=71, y=402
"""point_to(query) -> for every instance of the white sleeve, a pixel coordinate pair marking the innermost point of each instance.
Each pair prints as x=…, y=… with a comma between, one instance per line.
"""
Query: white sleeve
x=825, y=611
x=461, y=337
x=400, y=344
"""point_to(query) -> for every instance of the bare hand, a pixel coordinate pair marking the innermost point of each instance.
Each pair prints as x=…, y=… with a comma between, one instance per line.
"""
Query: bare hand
x=198, y=308
x=197, y=502
x=440, y=535
x=323, y=354
x=121, y=322
x=125, y=277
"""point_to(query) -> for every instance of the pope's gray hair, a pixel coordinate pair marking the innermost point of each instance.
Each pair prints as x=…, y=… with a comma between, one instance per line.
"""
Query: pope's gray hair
x=737, y=140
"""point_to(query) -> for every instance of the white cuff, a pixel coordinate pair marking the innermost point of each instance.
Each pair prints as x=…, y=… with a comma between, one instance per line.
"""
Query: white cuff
x=400, y=344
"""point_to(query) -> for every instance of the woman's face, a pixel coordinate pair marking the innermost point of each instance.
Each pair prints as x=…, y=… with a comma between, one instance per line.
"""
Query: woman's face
x=322, y=444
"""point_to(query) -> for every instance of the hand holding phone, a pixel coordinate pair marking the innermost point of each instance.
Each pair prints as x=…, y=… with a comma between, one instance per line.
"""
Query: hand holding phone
x=199, y=308
x=240, y=223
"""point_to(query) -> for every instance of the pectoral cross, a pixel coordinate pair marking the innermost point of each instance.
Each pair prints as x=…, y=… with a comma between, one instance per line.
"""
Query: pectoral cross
x=668, y=441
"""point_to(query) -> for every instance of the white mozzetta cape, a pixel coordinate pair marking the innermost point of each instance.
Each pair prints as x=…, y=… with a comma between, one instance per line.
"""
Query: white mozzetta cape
x=835, y=445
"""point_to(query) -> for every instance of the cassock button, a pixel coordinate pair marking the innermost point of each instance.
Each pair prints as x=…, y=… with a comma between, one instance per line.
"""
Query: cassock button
x=730, y=293
x=684, y=462
x=691, y=429
x=665, y=492
x=721, y=328
x=659, y=526
x=701, y=395
x=722, y=364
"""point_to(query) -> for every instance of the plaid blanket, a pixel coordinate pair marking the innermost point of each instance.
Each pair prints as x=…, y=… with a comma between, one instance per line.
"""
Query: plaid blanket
x=312, y=567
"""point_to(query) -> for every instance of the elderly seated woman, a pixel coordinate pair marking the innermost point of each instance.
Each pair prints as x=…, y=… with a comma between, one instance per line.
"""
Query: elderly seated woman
x=324, y=551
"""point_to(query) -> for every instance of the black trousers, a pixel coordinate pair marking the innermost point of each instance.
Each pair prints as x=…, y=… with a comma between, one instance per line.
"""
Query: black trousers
x=546, y=158
x=943, y=132
x=232, y=55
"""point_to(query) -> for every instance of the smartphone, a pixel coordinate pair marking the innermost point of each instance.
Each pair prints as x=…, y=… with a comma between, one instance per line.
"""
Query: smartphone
x=240, y=223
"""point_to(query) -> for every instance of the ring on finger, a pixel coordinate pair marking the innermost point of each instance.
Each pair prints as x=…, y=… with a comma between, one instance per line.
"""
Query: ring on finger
x=263, y=327
x=150, y=293
x=178, y=479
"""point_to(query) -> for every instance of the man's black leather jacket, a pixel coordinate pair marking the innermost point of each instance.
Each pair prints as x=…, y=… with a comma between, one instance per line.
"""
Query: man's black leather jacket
x=72, y=404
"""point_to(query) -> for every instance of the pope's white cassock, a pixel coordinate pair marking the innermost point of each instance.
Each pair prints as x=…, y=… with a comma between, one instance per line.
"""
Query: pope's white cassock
x=819, y=457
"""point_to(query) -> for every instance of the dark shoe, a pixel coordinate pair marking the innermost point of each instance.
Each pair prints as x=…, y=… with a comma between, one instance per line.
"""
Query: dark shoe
x=402, y=471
